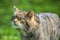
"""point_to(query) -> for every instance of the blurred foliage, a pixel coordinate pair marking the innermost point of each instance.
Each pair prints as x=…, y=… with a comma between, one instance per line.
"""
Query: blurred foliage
x=6, y=11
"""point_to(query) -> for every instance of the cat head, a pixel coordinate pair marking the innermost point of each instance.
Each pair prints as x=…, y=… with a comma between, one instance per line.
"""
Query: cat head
x=22, y=19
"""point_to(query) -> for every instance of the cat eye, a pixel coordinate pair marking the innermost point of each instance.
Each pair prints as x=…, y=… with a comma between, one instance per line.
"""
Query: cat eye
x=19, y=18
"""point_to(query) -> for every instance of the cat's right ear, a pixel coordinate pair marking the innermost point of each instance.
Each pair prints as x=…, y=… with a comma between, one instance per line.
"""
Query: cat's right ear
x=15, y=9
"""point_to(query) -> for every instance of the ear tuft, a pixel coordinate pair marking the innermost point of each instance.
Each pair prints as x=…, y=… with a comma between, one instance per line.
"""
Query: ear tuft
x=16, y=9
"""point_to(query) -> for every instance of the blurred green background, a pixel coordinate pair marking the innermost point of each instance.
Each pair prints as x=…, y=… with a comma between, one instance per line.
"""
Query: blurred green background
x=7, y=32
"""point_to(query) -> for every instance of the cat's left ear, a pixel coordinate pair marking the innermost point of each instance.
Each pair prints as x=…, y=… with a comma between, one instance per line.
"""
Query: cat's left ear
x=31, y=14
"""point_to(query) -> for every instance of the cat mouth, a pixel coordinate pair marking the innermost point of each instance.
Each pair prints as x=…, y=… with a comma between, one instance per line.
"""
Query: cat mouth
x=17, y=25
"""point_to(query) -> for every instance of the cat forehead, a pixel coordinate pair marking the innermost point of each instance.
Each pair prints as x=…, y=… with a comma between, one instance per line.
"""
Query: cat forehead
x=20, y=14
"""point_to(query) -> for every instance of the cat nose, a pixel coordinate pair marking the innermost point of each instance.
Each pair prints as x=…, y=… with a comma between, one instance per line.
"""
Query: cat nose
x=15, y=20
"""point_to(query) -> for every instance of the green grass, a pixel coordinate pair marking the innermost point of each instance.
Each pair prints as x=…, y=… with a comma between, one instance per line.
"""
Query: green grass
x=5, y=37
x=9, y=34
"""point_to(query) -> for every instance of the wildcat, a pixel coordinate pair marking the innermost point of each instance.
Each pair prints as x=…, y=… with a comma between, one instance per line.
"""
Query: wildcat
x=43, y=26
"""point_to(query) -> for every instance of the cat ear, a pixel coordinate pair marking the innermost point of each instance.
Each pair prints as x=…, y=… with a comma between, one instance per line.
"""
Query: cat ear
x=31, y=14
x=16, y=9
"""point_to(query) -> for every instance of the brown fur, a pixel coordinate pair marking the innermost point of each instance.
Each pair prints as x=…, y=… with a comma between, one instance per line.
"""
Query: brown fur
x=37, y=27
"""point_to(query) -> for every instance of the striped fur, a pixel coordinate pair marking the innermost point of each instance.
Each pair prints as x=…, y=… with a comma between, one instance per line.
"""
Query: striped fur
x=49, y=24
x=43, y=26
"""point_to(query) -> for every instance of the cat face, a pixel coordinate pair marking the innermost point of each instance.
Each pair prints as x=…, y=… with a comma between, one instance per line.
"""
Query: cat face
x=18, y=18
x=22, y=19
